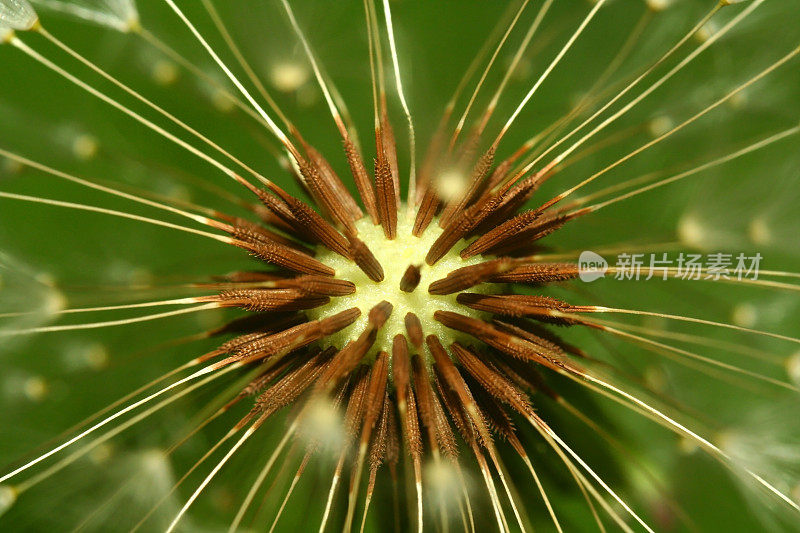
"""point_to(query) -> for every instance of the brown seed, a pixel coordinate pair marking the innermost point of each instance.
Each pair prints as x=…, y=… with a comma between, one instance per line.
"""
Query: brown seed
x=411, y=278
x=401, y=370
x=351, y=355
x=496, y=417
x=500, y=340
x=495, y=383
x=355, y=404
x=312, y=223
x=376, y=392
x=363, y=183
x=365, y=259
x=411, y=428
x=516, y=305
x=384, y=186
x=323, y=192
x=247, y=231
x=500, y=234
x=414, y=330
x=440, y=436
x=319, y=285
x=386, y=144
x=294, y=337
x=289, y=387
x=379, y=446
x=461, y=226
x=479, y=172
x=334, y=182
x=469, y=276
x=268, y=299
x=538, y=274
x=286, y=257
x=460, y=419
x=427, y=210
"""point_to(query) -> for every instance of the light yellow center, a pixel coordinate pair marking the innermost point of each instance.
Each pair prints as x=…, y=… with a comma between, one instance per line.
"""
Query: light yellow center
x=395, y=256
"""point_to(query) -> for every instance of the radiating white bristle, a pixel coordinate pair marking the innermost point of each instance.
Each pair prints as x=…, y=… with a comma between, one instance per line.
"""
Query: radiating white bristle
x=17, y=14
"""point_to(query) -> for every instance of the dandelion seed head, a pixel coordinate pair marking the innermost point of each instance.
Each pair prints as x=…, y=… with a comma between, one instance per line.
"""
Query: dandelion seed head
x=29, y=296
x=118, y=271
x=381, y=332
x=656, y=378
x=687, y=445
x=766, y=440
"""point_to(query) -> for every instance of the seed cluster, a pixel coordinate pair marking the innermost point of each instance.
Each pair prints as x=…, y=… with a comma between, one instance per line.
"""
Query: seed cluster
x=409, y=315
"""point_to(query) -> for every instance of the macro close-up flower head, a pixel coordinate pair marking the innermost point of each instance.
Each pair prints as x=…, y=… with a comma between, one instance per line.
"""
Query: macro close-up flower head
x=386, y=265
